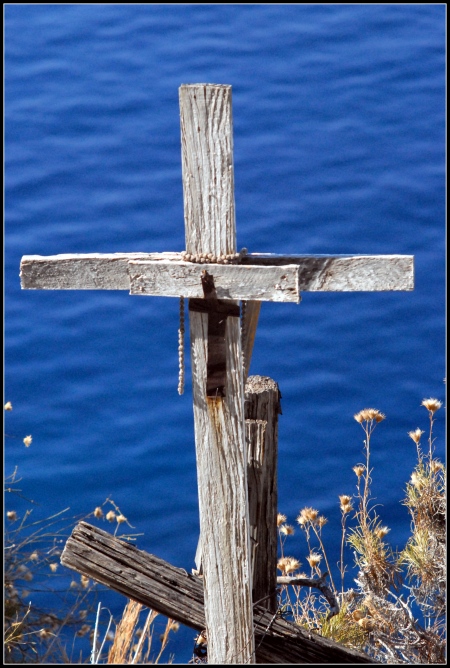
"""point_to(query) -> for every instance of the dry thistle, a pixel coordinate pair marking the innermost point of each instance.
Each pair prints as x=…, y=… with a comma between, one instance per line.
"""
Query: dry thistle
x=53, y=567
x=281, y=519
x=346, y=503
x=431, y=405
x=415, y=435
x=84, y=580
x=359, y=470
x=45, y=633
x=436, y=466
x=369, y=414
x=288, y=565
x=366, y=624
x=287, y=530
x=314, y=559
x=307, y=515
x=27, y=440
x=8, y=406
x=120, y=519
x=321, y=521
x=111, y=516
x=98, y=512
x=381, y=532
x=417, y=480
x=11, y=515
x=292, y=565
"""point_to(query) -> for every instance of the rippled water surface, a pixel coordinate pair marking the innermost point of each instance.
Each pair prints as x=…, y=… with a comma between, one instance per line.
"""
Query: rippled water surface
x=339, y=148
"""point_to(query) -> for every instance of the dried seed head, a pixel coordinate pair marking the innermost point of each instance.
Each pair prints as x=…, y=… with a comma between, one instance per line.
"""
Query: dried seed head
x=121, y=518
x=359, y=470
x=44, y=634
x=11, y=515
x=202, y=638
x=381, y=532
x=84, y=581
x=34, y=556
x=344, y=499
x=84, y=629
x=287, y=530
x=431, y=405
x=283, y=563
x=27, y=440
x=53, y=567
x=369, y=414
x=314, y=559
x=307, y=515
x=415, y=435
x=281, y=519
x=8, y=406
x=417, y=480
x=321, y=521
x=98, y=512
x=436, y=466
x=111, y=516
x=366, y=624
x=292, y=565
x=346, y=508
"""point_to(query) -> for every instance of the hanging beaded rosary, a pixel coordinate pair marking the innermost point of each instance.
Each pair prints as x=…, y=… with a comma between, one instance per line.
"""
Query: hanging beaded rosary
x=206, y=258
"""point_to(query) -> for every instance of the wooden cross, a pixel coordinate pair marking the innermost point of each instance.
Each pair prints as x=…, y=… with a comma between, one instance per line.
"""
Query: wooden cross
x=214, y=291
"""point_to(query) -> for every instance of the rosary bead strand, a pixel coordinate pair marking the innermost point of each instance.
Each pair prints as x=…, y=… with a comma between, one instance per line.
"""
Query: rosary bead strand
x=181, y=349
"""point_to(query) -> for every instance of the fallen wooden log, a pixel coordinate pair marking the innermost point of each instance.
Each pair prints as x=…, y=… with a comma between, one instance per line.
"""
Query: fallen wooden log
x=177, y=594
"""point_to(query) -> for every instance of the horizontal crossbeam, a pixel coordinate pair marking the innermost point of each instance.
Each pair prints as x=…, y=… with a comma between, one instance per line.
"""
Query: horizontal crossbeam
x=170, y=279
x=264, y=277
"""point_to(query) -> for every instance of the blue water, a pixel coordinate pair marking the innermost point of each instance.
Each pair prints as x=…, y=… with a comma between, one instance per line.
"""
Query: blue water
x=339, y=136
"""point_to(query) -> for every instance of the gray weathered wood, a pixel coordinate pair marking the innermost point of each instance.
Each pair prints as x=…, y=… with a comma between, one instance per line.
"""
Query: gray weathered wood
x=208, y=169
x=252, y=309
x=317, y=273
x=262, y=407
x=348, y=273
x=207, y=159
x=169, y=279
x=90, y=271
x=179, y=595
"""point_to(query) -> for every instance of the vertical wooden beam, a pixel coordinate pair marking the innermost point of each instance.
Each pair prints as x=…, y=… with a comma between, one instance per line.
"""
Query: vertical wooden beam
x=252, y=310
x=208, y=187
x=262, y=407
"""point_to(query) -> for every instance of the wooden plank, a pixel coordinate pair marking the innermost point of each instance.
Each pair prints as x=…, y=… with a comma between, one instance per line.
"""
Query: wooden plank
x=210, y=226
x=179, y=595
x=262, y=407
x=90, y=271
x=317, y=273
x=345, y=273
x=169, y=279
x=207, y=167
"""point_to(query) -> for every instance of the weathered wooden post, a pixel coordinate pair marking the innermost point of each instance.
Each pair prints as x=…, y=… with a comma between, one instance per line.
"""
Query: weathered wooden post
x=210, y=225
x=201, y=273
x=262, y=407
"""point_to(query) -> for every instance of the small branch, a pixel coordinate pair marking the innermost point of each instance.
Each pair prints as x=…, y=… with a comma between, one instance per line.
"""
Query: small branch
x=318, y=583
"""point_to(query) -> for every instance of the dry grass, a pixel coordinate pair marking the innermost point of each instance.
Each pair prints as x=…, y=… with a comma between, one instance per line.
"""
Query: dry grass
x=396, y=613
